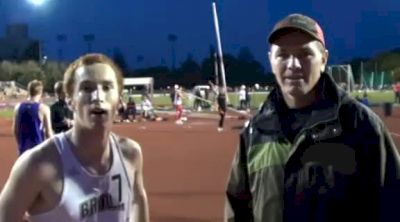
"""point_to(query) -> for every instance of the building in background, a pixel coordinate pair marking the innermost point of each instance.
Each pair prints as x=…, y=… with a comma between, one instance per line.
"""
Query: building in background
x=17, y=45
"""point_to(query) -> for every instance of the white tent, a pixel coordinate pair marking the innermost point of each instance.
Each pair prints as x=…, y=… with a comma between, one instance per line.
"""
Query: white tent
x=141, y=81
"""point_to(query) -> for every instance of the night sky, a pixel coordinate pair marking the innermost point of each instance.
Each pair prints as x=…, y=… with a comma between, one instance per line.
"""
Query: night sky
x=353, y=28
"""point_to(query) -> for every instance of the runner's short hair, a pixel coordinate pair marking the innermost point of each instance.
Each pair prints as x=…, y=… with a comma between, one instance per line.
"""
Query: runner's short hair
x=89, y=59
x=35, y=87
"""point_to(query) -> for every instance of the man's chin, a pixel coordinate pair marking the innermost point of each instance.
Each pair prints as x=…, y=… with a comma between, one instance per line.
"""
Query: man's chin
x=295, y=92
x=100, y=125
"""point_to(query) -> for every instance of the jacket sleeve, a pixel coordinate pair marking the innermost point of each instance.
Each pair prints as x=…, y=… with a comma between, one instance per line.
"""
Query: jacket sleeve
x=390, y=178
x=238, y=205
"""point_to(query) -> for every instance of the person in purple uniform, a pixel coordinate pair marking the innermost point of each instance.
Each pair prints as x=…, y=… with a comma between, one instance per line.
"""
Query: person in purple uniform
x=32, y=122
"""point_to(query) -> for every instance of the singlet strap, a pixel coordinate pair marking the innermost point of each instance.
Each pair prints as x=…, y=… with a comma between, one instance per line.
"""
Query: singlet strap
x=116, y=149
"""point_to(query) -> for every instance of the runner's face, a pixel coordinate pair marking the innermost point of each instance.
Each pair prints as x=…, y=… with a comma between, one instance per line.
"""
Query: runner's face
x=96, y=96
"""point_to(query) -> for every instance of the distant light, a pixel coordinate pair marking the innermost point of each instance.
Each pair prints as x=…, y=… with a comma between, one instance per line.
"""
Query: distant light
x=37, y=2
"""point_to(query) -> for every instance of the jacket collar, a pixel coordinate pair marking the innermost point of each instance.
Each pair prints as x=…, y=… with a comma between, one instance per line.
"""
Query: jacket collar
x=327, y=106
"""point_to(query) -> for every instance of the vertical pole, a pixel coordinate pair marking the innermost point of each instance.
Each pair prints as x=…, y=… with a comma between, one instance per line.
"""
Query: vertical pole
x=219, y=46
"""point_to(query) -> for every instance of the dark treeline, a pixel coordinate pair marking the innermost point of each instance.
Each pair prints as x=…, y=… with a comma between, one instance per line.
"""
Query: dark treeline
x=239, y=69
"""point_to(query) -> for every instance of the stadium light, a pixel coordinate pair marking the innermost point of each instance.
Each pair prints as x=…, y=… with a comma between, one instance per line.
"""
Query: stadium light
x=37, y=2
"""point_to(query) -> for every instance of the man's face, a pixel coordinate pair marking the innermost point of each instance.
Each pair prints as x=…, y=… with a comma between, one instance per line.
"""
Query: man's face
x=59, y=91
x=297, y=61
x=61, y=95
x=95, y=98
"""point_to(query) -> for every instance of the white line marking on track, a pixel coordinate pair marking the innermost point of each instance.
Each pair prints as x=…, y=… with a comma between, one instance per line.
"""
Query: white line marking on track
x=395, y=134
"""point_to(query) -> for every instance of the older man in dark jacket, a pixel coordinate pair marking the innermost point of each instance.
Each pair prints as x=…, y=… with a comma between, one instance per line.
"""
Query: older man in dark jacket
x=312, y=153
x=61, y=114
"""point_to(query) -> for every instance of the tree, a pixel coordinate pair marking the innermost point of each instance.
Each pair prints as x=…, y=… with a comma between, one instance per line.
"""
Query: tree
x=396, y=75
x=207, y=69
x=245, y=54
x=54, y=71
x=119, y=59
x=189, y=65
x=161, y=74
x=388, y=61
x=190, y=72
x=356, y=67
x=27, y=71
x=6, y=70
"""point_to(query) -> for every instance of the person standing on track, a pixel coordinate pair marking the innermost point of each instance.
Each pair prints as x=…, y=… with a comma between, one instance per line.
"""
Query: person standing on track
x=178, y=103
x=61, y=114
x=32, y=123
x=221, y=101
x=87, y=173
x=312, y=153
x=131, y=109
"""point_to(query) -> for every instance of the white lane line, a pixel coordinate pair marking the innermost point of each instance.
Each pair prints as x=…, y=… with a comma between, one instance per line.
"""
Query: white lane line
x=395, y=134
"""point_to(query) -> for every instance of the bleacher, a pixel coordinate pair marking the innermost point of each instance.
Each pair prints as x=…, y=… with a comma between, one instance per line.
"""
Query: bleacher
x=12, y=89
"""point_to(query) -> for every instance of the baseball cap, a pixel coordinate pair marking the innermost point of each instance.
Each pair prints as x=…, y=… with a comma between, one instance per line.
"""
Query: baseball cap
x=297, y=22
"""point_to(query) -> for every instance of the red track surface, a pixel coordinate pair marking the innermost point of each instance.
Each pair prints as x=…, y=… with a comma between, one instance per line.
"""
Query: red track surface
x=186, y=167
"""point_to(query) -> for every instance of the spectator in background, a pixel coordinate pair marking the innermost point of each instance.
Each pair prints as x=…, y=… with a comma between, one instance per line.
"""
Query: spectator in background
x=61, y=114
x=32, y=119
x=172, y=95
x=248, y=98
x=148, y=112
x=197, y=104
x=365, y=100
x=242, y=97
x=147, y=108
x=396, y=89
x=206, y=97
x=358, y=98
x=122, y=111
x=131, y=109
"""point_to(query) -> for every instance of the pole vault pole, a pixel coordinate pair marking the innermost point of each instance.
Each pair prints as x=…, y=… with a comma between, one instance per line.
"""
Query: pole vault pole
x=219, y=46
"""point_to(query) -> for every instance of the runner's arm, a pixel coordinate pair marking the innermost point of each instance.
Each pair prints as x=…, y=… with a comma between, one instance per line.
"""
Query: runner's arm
x=140, y=203
x=21, y=189
x=47, y=121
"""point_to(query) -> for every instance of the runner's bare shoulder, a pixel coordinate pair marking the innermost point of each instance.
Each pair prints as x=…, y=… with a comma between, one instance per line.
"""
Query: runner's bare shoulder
x=30, y=174
x=44, y=158
x=130, y=149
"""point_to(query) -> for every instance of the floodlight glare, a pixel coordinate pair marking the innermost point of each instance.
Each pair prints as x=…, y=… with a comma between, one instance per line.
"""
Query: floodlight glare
x=37, y=2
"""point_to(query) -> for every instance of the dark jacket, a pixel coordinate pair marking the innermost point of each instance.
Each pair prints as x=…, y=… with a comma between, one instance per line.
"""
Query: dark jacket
x=60, y=111
x=342, y=166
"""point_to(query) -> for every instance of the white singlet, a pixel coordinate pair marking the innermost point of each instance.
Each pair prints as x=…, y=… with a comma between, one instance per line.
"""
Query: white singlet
x=177, y=99
x=90, y=198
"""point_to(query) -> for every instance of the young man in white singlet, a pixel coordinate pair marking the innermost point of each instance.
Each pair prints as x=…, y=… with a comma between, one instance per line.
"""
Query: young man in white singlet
x=87, y=173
